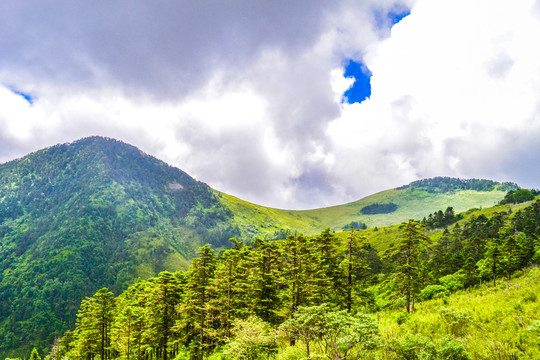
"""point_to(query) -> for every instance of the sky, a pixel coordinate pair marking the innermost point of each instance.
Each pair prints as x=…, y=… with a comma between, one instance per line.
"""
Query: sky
x=291, y=104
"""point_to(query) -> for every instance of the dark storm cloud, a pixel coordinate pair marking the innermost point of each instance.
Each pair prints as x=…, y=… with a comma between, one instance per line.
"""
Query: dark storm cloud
x=165, y=48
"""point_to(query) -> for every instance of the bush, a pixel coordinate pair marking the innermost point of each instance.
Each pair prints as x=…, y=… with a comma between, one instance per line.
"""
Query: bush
x=452, y=282
x=401, y=318
x=433, y=292
x=413, y=347
x=451, y=350
x=253, y=339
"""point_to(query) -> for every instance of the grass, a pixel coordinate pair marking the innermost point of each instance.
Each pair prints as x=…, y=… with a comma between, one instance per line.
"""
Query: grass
x=487, y=322
x=491, y=322
x=257, y=220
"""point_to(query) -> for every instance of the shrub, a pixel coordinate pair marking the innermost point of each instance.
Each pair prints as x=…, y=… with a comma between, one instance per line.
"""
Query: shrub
x=451, y=350
x=253, y=339
x=401, y=318
x=413, y=347
x=452, y=282
x=433, y=292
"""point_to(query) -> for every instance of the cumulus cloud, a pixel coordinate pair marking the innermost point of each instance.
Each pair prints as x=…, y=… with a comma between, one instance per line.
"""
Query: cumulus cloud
x=247, y=96
x=449, y=100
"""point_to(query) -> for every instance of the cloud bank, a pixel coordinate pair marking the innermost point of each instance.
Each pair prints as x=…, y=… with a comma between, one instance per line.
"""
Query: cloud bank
x=247, y=96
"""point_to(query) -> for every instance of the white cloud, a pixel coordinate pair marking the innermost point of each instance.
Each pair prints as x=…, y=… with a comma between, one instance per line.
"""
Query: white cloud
x=248, y=98
x=452, y=90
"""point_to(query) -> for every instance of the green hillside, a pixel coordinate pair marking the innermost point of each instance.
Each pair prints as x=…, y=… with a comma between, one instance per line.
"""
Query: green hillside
x=488, y=322
x=466, y=292
x=413, y=201
x=93, y=213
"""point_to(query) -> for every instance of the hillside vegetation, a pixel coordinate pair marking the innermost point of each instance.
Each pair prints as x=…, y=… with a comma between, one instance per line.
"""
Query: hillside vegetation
x=97, y=213
x=413, y=201
x=466, y=292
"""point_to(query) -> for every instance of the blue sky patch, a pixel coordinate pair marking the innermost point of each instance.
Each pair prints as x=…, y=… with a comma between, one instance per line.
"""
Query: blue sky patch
x=385, y=19
x=396, y=16
x=360, y=90
x=29, y=98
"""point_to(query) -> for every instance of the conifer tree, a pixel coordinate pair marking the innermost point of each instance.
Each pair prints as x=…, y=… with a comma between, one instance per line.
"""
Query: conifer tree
x=353, y=265
x=296, y=273
x=34, y=355
x=407, y=256
x=511, y=255
x=265, y=281
x=329, y=281
x=197, y=320
x=493, y=258
x=165, y=295
x=232, y=287
x=92, y=332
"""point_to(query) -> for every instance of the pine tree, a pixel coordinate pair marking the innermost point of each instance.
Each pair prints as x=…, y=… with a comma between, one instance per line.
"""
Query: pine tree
x=329, y=280
x=197, y=320
x=407, y=256
x=232, y=288
x=164, y=297
x=511, y=255
x=34, y=355
x=92, y=332
x=297, y=272
x=493, y=258
x=265, y=281
x=353, y=265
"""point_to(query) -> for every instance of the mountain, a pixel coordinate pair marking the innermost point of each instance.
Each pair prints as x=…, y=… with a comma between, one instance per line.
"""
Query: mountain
x=99, y=213
x=413, y=201
x=93, y=213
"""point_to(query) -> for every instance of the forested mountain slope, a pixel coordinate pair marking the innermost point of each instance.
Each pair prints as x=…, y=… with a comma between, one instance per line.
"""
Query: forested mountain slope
x=93, y=213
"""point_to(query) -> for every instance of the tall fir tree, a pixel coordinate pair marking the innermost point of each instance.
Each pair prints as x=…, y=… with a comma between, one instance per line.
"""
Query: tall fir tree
x=406, y=252
x=91, y=336
x=197, y=320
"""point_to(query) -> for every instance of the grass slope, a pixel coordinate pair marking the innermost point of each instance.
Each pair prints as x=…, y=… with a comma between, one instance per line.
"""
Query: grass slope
x=412, y=204
x=491, y=322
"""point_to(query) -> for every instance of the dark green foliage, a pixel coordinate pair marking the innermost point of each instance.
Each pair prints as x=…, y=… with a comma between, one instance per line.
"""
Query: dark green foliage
x=440, y=219
x=518, y=196
x=97, y=212
x=92, y=334
x=200, y=319
x=313, y=289
x=447, y=184
x=355, y=225
x=377, y=208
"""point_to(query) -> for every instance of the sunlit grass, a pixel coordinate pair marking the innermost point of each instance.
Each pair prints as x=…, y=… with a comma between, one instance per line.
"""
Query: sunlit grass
x=496, y=325
x=263, y=221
